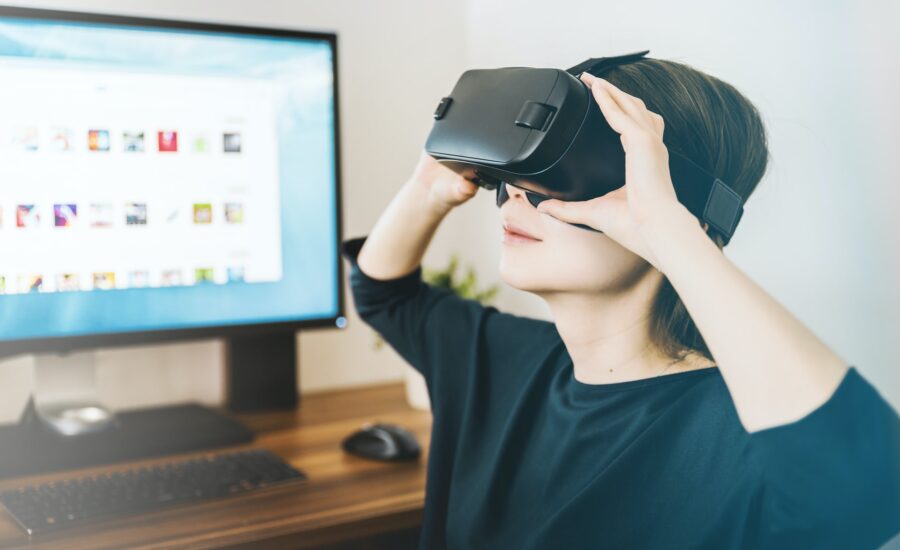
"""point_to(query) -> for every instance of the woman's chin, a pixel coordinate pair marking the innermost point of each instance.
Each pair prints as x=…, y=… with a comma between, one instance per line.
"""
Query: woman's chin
x=517, y=277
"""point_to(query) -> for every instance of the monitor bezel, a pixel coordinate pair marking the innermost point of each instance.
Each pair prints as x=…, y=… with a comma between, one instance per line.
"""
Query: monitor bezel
x=65, y=344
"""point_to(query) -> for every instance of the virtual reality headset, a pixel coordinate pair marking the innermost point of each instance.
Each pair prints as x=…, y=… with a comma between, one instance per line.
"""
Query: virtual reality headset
x=541, y=130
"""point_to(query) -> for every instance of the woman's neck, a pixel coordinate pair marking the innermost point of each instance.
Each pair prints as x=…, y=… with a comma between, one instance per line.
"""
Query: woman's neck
x=607, y=335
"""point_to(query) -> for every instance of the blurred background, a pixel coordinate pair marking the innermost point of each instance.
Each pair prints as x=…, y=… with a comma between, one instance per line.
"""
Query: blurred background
x=821, y=233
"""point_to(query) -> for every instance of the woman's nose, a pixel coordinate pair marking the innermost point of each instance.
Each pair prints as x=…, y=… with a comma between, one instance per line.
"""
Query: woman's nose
x=514, y=191
x=505, y=191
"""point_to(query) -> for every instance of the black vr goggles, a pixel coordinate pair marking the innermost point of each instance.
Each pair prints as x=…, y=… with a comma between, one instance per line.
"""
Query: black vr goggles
x=542, y=131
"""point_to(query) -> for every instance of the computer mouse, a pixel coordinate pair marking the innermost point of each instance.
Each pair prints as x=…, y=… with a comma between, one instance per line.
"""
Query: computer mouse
x=378, y=441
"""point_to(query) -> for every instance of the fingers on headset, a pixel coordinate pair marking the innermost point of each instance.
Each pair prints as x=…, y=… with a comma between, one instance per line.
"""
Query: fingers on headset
x=635, y=108
x=617, y=118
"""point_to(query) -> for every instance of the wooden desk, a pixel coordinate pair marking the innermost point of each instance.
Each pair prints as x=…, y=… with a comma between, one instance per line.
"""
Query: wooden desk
x=345, y=498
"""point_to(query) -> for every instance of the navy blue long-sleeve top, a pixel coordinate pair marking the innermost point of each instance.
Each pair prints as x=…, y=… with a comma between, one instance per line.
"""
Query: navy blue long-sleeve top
x=523, y=455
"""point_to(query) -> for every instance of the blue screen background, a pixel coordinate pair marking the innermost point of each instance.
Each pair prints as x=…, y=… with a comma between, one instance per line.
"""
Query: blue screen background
x=309, y=287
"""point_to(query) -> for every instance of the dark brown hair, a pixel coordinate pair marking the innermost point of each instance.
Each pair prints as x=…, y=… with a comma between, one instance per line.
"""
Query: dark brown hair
x=711, y=123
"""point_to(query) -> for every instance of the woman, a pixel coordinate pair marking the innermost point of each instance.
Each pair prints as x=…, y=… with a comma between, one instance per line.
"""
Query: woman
x=671, y=403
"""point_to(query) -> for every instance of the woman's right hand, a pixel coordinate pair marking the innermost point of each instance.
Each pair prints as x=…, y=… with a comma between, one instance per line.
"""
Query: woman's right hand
x=445, y=188
x=398, y=241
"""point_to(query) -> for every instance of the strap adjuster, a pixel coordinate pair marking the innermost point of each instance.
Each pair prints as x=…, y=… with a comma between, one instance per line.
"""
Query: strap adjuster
x=723, y=208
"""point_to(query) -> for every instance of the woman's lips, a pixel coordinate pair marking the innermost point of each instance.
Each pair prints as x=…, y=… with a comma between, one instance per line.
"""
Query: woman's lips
x=512, y=234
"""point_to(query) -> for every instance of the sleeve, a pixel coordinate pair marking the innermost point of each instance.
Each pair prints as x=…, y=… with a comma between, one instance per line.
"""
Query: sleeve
x=832, y=478
x=426, y=325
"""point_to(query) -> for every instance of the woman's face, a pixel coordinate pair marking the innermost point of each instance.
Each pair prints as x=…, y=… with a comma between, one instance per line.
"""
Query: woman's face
x=561, y=257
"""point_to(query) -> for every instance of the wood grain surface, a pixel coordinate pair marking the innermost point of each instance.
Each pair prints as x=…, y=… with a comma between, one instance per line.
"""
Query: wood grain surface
x=346, y=498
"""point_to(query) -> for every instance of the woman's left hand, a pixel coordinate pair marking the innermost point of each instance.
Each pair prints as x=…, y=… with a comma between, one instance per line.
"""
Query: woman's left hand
x=647, y=200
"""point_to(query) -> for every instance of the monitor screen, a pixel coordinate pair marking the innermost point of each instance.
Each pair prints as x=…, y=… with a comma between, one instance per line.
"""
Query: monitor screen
x=164, y=177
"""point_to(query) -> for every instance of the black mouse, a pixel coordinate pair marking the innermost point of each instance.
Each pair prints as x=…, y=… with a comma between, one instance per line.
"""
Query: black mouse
x=382, y=442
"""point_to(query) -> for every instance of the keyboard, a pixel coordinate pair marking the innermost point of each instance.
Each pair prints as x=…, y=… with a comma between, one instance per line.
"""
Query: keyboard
x=49, y=506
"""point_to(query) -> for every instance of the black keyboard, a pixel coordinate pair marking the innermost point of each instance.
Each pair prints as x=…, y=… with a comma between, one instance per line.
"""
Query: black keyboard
x=48, y=506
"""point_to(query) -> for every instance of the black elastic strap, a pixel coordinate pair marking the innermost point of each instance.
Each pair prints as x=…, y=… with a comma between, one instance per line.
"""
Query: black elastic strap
x=706, y=196
x=596, y=65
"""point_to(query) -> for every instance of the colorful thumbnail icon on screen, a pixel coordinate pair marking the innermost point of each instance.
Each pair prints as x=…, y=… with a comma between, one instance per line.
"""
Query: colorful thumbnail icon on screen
x=167, y=141
x=204, y=275
x=234, y=212
x=101, y=214
x=31, y=283
x=64, y=215
x=200, y=145
x=133, y=142
x=61, y=140
x=170, y=277
x=202, y=212
x=28, y=215
x=139, y=279
x=98, y=140
x=231, y=142
x=236, y=274
x=68, y=282
x=28, y=138
x=135, y=213
x=105, y=280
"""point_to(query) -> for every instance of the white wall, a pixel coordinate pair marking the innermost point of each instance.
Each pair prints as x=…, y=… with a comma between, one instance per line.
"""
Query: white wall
x=397, y=58
x=822, y=231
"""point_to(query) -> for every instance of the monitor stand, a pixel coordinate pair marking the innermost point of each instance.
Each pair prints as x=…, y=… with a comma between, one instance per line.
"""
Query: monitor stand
x=64, y=425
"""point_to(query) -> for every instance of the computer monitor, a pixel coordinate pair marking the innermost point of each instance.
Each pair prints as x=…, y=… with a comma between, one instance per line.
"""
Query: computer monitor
x=162, y=180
